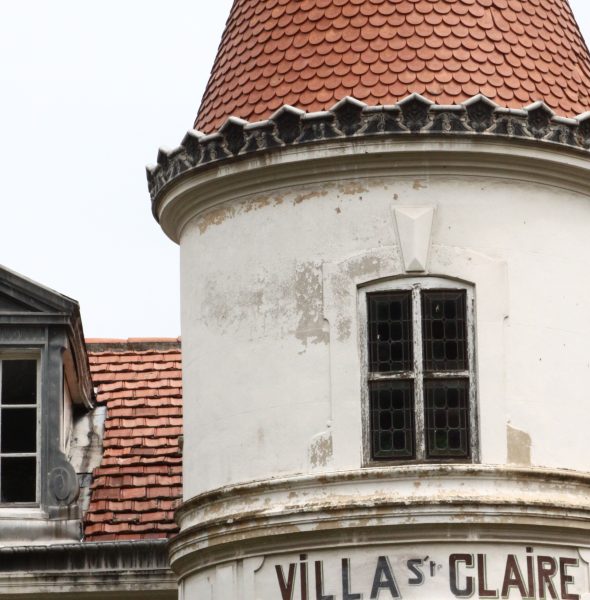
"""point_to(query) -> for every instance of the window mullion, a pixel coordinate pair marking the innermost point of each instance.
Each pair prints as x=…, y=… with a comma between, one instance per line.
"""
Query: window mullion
x=419, y=374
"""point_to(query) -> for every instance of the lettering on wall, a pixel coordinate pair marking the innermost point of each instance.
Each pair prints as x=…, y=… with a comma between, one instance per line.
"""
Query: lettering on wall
x=503, y=573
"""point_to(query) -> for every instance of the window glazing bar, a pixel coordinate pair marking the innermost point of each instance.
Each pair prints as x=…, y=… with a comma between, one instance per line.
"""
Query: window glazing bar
x=18, y=455
x=389, y=376
x=447, y=375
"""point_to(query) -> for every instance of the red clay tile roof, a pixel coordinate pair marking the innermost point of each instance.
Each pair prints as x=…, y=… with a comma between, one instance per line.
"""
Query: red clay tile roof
x=139, y=481
x=312, y=53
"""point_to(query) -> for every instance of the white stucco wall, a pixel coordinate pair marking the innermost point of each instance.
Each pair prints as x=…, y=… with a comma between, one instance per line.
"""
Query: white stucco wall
x=277, y=252
x=270, y=334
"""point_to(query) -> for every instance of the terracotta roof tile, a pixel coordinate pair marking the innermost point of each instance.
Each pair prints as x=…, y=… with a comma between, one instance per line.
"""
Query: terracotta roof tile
x=312, y=53
x=139, y=482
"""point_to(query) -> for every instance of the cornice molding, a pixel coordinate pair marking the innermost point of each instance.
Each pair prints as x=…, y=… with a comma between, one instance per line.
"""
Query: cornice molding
x=414, y=117
x=264, y=514
x=128, y=569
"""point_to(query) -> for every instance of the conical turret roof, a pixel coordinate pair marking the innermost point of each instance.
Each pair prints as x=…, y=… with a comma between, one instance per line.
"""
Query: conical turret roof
x=312, y=53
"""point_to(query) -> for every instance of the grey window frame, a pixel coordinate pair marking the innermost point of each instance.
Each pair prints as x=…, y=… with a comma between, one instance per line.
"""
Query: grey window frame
x=415, y=285
x=25, y=354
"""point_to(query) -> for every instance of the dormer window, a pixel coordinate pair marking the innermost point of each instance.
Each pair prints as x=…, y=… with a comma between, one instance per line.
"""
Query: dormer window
x=45, y=388
x=18, y=429
x=420, y=372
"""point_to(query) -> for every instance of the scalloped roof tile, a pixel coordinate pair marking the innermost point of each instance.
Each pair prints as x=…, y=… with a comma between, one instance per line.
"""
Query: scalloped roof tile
x=312, y=53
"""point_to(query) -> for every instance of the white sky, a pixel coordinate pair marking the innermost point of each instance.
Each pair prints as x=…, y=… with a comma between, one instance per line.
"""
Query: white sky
x=88, y=92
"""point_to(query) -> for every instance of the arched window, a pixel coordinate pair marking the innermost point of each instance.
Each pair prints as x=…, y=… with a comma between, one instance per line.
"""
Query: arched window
x=419, y=364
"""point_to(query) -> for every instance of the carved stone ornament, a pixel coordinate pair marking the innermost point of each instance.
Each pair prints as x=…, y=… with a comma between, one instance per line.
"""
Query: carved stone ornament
x=63, y=484
x=414, y=228
x=415, y=115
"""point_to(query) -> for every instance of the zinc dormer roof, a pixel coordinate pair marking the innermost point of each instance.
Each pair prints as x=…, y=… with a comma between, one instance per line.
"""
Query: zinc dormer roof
x=312, y=53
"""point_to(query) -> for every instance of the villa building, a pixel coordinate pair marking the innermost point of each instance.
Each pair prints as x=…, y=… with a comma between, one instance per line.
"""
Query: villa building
x=383, y=214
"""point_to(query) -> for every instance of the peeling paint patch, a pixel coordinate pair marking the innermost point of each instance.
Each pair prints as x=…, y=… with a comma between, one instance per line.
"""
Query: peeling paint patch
x=321, y=450
x=363, y=266
x=419, y=185
x=219, y=215
x=352, y=188
x=299, y=198
x=343, y=329
x=260, y=307
x=519, y=447
x=257, y=203
x=215, y=217
x=309, y=305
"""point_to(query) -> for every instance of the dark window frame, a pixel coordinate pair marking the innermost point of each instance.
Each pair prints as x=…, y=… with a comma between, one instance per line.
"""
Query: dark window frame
x=416, y=373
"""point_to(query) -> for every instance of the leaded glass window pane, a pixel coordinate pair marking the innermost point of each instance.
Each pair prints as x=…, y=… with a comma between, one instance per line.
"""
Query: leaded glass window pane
x=392, y=419
x=447, y=418
x=390, y=332
x=444, y=331
x=420, y=376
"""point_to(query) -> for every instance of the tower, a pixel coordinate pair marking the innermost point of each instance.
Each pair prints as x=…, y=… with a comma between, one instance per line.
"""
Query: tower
x=383, y=218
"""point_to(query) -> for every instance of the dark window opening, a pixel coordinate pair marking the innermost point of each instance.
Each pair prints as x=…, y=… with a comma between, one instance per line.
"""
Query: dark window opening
x=19, y=479
x=444, y=332
x=390, y=332
x=392, y=419
x=19, y=382
x=18, y=430
x=447, y=418
x=419, y=375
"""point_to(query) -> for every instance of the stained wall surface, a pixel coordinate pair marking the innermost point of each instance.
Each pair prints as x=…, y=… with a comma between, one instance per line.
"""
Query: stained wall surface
x=271, y=331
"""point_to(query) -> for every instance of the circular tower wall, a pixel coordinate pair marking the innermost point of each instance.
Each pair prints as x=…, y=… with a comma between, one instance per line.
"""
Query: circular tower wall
x=279, y=256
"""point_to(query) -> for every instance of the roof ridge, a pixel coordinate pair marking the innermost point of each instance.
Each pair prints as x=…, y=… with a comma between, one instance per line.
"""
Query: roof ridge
x=132, y=340
x=132, y=345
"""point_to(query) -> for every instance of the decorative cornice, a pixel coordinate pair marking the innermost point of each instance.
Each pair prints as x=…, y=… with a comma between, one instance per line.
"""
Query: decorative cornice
x=139, y=555
x=413, y=116
x=271, y=515
x=78, y=570
x=223, y=497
